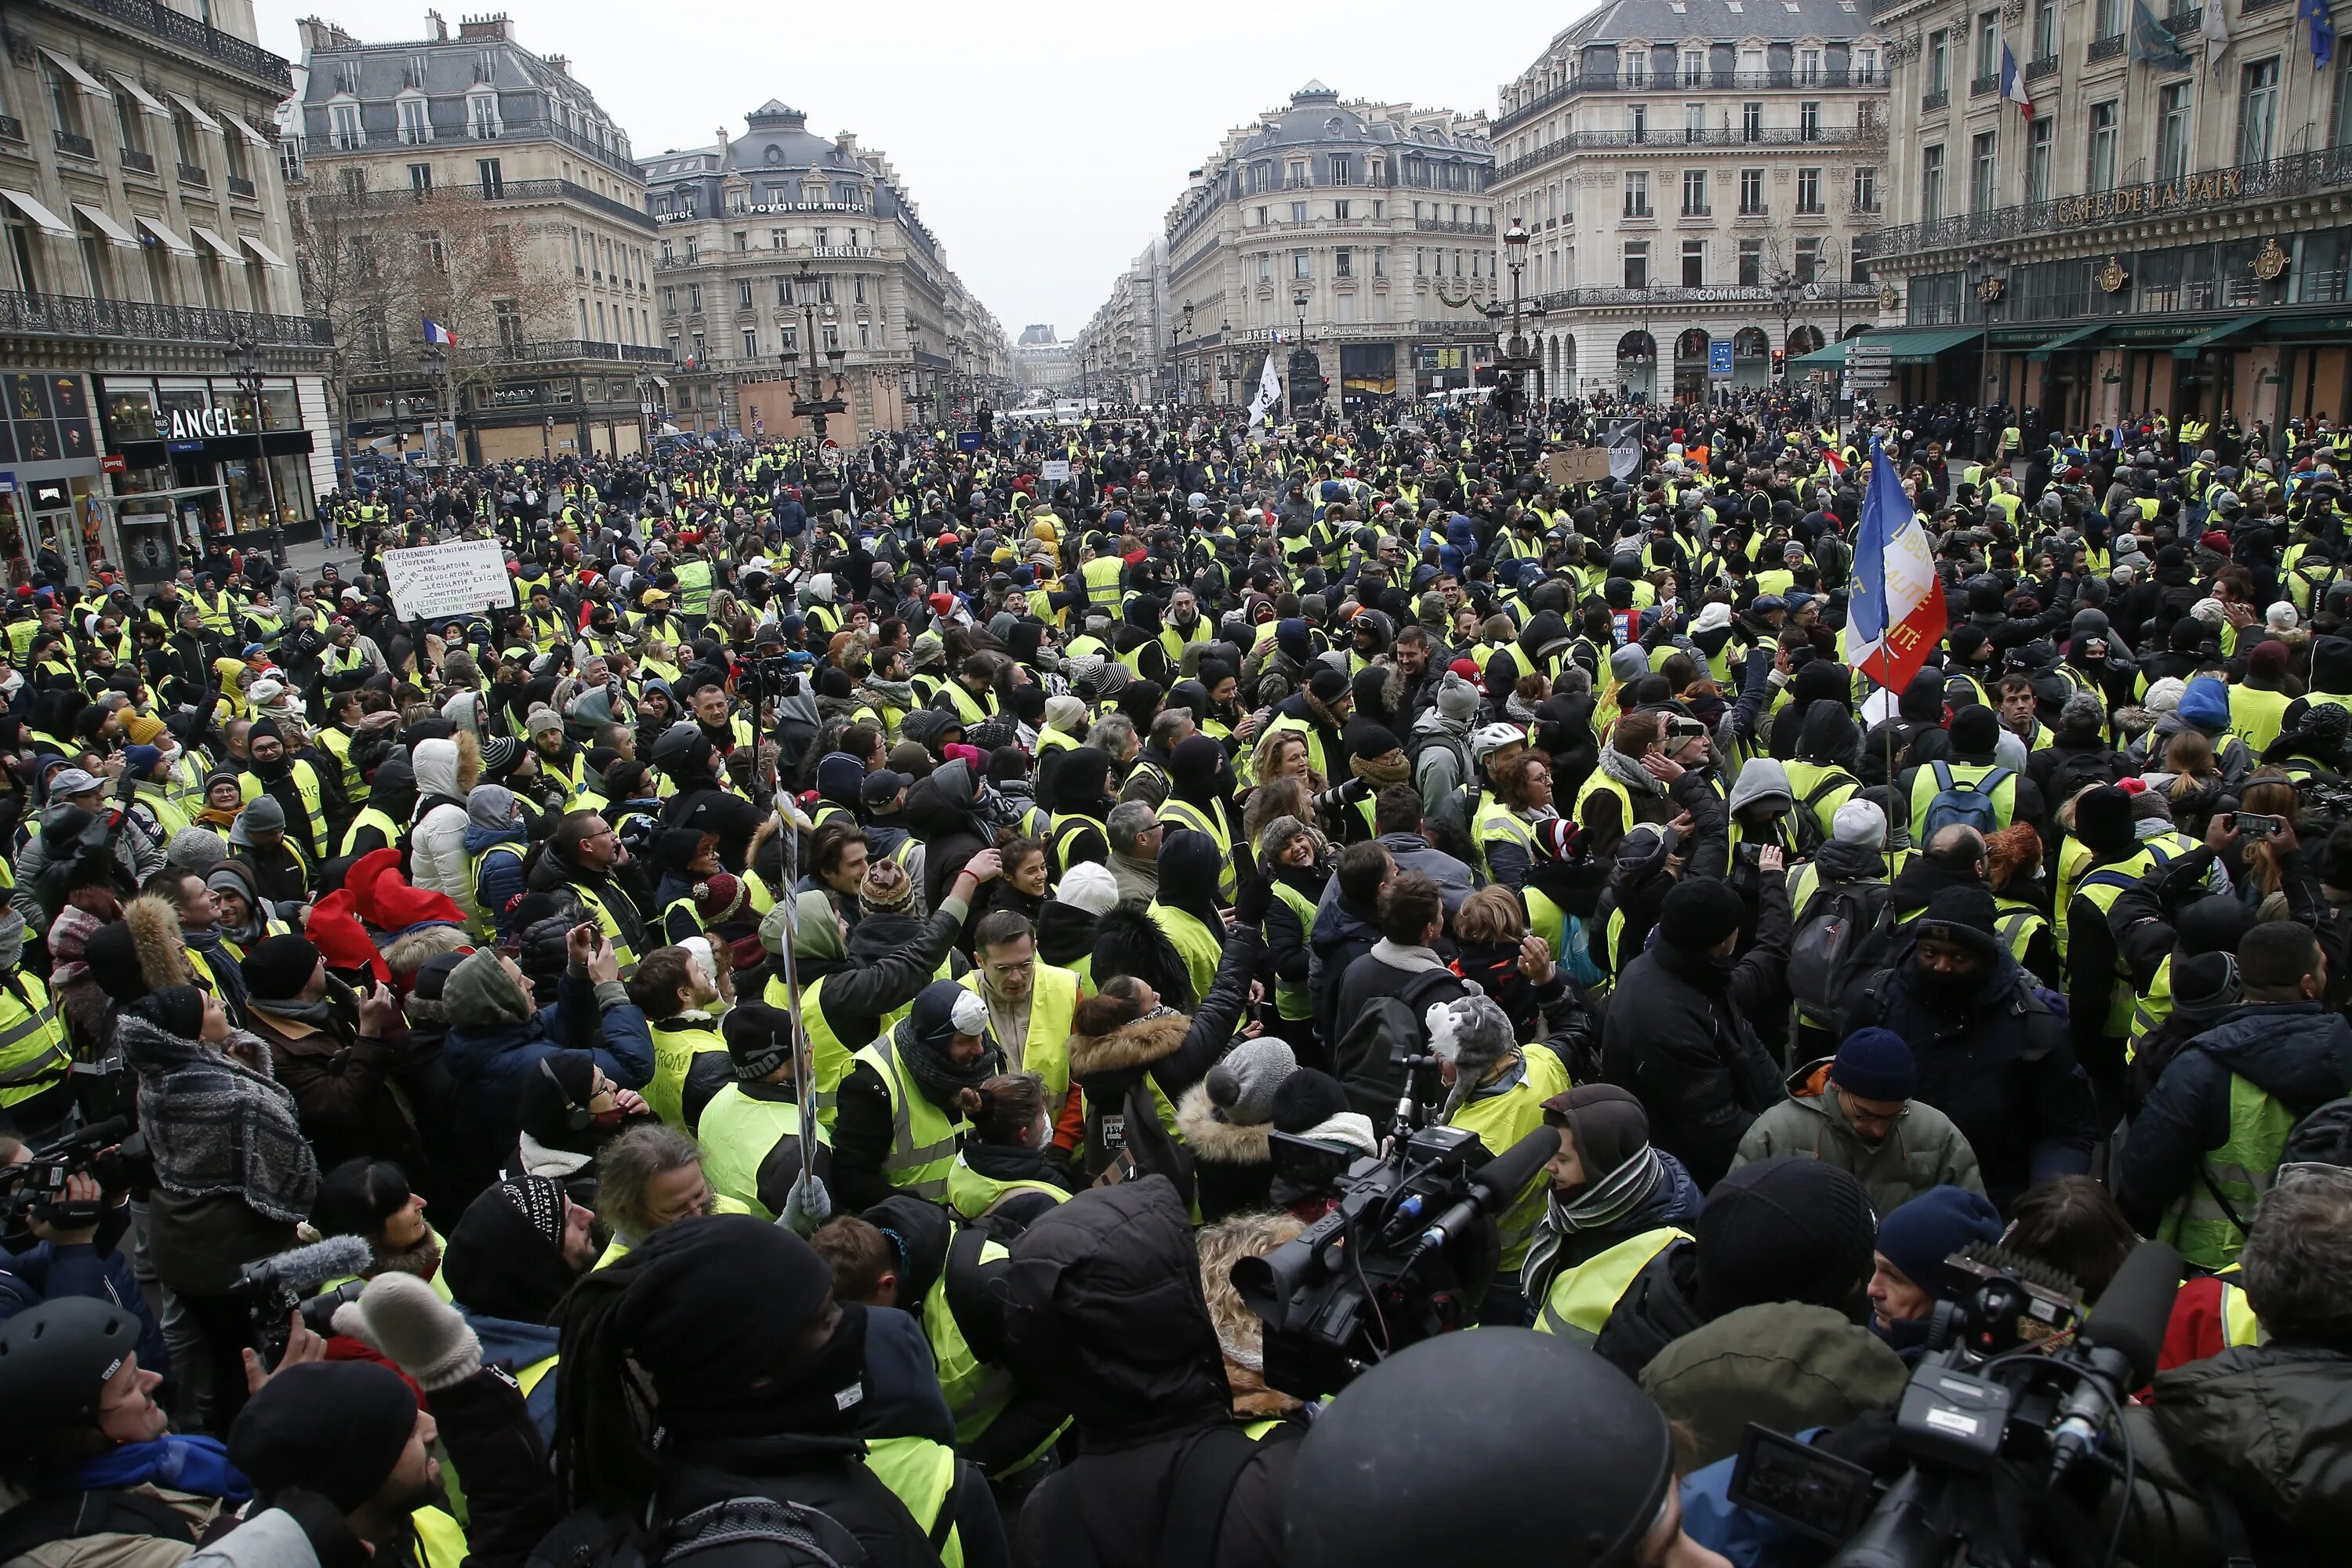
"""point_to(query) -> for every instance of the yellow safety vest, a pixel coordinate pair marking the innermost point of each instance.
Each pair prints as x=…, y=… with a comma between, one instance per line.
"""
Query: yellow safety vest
x=314, y=802
x=1200, y=952
x=675, y=1050
x=370, y=817
x=922, y=1474
x=971, y=1195
x=33, y=1056
x=922, y=1136
x=1579, y=1304
x=620, y=949
x=1183, y=814
x=1501, y=1120
x=1053, y=1000
x=737, y=1133
x=485, y=920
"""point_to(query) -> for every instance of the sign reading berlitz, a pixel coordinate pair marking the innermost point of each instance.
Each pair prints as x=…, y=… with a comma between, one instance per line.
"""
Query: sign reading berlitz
x=459, y=579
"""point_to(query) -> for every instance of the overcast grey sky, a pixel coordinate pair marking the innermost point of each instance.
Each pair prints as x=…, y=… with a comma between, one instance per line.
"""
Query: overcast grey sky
x=1042, y=139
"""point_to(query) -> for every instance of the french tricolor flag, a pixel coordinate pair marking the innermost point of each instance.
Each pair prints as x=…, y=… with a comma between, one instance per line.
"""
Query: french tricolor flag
x=2013, y=82
x=441, y=336
x=1836, y=464
x=1895, y=618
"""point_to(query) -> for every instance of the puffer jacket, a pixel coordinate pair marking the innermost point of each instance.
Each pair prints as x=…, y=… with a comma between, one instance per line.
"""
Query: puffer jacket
x=436, y=844
x=1924, y=1150
x=2266, y=1424
x=489, y=1061
x=1167, y=1050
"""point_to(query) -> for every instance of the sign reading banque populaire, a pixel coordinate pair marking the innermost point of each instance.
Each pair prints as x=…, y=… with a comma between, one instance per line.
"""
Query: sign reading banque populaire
x=458, y=579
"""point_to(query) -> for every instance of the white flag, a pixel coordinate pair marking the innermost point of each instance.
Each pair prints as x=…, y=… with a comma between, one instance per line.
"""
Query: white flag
x=1269, y=392
x=2217, y=36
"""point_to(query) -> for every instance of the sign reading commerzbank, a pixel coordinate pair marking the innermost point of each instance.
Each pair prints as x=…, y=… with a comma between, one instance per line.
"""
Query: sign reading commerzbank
x=2197, y=190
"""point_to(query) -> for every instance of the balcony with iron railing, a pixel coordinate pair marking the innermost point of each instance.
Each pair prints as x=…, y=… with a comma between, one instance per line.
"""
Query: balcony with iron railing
x=1989, y=82
x=2296, y=174
x=12, y=130
x=136, y=160
x=158, y=20
x=2103, y=49
x=514, y=191
x=1448, y=226
x=1822, y=77
x=134, y=320
x=2035, y=69
x=76, y=146
x=240, y=187
x=195, y=174
x=561, y=349
x=1929, y=102
x=1764, y=138
x=1821, y=291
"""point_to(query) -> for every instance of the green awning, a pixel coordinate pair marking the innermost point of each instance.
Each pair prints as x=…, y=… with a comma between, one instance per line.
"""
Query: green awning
x=2187, y=348
x=2081, y=337
x=1912, y=345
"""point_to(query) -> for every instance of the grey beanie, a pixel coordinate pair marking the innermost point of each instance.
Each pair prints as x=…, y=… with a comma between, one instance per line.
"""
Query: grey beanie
x=1474, y=1034
x=197, y=849
x=1457, y=700
x=261, y=814
x=1277, y=834
x=1242, y=1086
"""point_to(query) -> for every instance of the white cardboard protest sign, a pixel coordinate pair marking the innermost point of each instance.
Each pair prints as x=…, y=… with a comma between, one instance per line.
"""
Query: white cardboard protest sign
x=461, y=579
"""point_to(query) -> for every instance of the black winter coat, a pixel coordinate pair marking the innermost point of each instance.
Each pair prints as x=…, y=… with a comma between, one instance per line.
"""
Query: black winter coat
x=1679, y=1035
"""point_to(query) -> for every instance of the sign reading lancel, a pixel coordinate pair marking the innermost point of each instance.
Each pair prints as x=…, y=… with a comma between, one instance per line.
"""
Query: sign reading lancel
x=199, y=424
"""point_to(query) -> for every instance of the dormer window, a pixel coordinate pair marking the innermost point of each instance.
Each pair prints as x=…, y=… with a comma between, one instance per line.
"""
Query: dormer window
x=482, y=115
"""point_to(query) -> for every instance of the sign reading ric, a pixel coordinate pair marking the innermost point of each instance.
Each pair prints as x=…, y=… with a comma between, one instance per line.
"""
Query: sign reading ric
x=459, y=579
x=198, y=423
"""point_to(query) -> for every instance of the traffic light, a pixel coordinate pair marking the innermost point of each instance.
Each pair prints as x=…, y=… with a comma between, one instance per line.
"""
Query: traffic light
x=1777, y=358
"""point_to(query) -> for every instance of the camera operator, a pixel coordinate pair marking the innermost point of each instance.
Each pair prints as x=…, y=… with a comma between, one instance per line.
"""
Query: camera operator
x=67, y=1247
x=2242, y=1455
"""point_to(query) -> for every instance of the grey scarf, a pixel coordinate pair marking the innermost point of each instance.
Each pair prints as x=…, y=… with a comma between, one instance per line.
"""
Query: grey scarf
x=1602, y=1203
x=1629, y=773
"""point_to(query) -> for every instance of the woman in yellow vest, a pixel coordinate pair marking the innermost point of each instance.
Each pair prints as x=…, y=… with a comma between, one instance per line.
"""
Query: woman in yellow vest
x=1615, y=1203
x=1497, y=1088
x=1008, y=1166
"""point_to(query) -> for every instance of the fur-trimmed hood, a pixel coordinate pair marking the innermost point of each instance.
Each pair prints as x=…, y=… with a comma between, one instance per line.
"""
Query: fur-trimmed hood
x=1129, y=1047
x=155, y=937
x=1214, y=1139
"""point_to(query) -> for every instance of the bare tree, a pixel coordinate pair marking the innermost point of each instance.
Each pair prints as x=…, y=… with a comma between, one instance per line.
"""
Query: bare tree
x=472, y=266
x=338, y=250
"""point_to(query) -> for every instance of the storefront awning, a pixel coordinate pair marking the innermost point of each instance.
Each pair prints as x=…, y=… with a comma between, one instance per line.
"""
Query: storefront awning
x=1828, y=357
x=246, y=130
x=47, y=222
x=2081, y=337
x=269, y=257
x=2189, y=347
x=72, y=68
x=102, y=221
x=145, y=99
x=162, y=235
x=195, y=113
x=219, y=247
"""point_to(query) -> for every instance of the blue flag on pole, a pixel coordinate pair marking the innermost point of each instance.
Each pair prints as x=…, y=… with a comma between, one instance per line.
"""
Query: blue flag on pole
x=2323, y=30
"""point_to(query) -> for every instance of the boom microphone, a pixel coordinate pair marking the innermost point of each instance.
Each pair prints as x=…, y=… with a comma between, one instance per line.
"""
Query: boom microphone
x=1498, y=1183
x=2120, y=1340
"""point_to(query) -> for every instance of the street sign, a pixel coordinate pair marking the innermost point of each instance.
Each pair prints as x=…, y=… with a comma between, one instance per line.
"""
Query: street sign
x=1869, y=354
x=1054, y=471
x=7, y=484
x=967, y=440
x=759, y=426
x=1719, y=359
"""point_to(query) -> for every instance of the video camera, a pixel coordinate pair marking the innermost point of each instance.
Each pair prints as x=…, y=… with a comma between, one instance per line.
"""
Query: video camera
x=272, y=1288
x=2008, y=1445
x=1408, y=1253
x=32, y=1188
x=2328, y=796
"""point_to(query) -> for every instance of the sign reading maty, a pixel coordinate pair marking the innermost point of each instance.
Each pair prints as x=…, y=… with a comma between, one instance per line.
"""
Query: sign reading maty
x=448, y=579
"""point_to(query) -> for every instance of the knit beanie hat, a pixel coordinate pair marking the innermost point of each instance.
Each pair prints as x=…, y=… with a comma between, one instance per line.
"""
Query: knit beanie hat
x=1311, y=1104
x=758, y=1039
x=1090, y=887
x=334, y=1428
x=1326, y=685
x=1964, y=916
x=1067, y=714
x=197, y=849
x=1784, y=1230
x=719, y=896
x=1697, y=914
x=262, y=813
x=1457, y=700
x=279, y=967
x=1876, y=1064
x=1242, y=1087
x=538, y=721
x=1918, y=1236
x=499, y=754
x=137, y=760
x=143, y=730
x=1859, y=822
x=885, y=889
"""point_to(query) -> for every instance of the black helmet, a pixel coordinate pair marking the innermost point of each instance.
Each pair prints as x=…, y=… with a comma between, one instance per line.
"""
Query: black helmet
x=1479, y=1427
x=55, y=1360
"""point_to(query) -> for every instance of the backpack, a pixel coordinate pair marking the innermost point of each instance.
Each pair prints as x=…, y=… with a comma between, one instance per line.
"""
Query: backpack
x=1847, y=934
x=1370, y=1055
x=1964, y=803
x=1811, y=835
